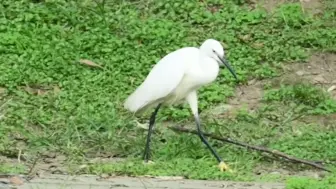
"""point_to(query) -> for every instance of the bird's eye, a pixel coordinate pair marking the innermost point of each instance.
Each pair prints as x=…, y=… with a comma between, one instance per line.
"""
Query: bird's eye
x=213, y=51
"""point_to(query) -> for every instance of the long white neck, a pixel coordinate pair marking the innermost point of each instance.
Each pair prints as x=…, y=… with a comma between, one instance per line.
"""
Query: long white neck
x=209, y=68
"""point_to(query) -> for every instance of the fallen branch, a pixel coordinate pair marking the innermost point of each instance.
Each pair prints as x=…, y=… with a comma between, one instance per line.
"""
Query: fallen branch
x=257, y=148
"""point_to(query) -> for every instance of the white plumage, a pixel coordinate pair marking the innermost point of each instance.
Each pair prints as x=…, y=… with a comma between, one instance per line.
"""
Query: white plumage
x=176, y=77
x=161, y=81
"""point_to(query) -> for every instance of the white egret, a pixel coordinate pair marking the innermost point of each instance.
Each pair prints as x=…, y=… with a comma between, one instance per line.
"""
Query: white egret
x=176, y=77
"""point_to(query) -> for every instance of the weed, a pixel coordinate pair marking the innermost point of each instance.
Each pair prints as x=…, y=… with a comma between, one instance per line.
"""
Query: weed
x=10, y=168
x=306, y=183
x=314, y=99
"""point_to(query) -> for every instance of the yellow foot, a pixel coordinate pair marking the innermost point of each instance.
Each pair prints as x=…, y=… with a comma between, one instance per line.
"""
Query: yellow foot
x=223, y=167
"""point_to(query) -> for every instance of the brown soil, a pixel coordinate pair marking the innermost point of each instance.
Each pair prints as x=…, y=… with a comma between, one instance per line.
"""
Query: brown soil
x=320, y=71
x=312, y=6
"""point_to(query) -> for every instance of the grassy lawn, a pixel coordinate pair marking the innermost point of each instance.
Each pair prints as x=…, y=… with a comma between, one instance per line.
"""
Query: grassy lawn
x=51, y=103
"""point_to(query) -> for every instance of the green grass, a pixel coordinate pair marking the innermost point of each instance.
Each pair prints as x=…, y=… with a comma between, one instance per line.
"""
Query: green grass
x=304, y=183
x=54, y=103
x=11, y=168
x=313, y=100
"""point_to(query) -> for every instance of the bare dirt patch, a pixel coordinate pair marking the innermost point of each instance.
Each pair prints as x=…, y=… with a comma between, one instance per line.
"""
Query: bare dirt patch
x=312, y=6
x=283, y=172
x=320, y=71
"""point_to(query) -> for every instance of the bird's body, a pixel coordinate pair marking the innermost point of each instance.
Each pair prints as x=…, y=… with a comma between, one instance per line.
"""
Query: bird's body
x=175, y=78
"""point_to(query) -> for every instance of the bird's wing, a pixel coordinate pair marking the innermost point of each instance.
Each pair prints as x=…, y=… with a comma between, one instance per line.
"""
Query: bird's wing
x=162, y=79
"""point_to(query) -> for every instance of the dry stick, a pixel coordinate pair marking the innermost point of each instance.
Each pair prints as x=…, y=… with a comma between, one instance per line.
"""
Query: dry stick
x=31, y=174
x=258, y=148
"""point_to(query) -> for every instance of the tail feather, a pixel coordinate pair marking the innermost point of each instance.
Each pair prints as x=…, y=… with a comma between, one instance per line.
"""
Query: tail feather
x=138, y=101
x=133, y=103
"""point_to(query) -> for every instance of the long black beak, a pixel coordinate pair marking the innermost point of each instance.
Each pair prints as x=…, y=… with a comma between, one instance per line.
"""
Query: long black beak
x=227, y=64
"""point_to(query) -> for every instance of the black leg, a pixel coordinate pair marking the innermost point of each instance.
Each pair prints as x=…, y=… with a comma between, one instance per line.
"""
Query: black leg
x=200, y=134
x=150, y=130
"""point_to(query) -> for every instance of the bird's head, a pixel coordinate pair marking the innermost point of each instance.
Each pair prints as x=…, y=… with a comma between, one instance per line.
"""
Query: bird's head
x=213, y=49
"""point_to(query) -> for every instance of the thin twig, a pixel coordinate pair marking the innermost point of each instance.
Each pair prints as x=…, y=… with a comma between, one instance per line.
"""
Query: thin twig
x=31, y=174
x=257, y=148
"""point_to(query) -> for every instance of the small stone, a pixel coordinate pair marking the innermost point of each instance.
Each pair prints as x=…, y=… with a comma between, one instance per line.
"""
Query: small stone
x=319, y=79
x=300, y=73
x=245, y=37
x=149, y=162
x=258, y=45
x=2, y=90
x=49, y=154
x=297, y=132
x=16, y=181
x=331, y=88
x=316, y=176
x=251, y=82
x=104, y=175
x=83, y=166
x=61, y=158
x=221, y=109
